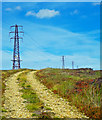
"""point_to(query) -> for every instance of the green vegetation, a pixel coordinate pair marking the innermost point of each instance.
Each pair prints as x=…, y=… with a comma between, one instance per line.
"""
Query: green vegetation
x=81, y=87
x=4, y=110
x=34, y=114
x=47, y=108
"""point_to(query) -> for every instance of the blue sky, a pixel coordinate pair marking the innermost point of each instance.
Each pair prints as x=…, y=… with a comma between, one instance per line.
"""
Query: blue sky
x=51, y=1
x=52, y=30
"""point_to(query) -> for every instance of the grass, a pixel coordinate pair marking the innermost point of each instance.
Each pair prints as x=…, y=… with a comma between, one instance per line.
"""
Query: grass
x=4, y=110
x=79, y=87
x=34, y=114
x=47, y=108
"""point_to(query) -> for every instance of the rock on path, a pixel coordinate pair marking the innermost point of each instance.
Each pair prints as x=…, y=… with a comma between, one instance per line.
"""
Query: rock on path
x=58, y=105
x=13, y=100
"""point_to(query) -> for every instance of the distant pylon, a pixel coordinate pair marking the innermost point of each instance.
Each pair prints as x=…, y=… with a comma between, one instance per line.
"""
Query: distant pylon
x=62, y=62
x=16, y=55
x=72, y=64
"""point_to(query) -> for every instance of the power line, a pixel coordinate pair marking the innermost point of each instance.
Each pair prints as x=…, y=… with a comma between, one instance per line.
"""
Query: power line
x=35, y=42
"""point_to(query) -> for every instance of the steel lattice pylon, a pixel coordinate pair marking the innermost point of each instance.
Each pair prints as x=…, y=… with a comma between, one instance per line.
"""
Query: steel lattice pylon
x=16, y=55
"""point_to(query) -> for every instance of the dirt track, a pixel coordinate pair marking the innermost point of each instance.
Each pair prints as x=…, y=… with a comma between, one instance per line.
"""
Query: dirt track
x=59, y=106
x=13, y=100
x=15, y=106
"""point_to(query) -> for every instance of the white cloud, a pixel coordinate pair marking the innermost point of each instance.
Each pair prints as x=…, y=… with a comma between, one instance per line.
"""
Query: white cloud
x=30, y=13
x=43, y=13
x=18, y=8
x=46, y=13
x=96, y=3
x=8, y=9
x=75, y=12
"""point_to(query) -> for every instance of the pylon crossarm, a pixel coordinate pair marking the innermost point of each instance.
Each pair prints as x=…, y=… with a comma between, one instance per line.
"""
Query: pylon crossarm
x=18, y=32
x=16, y=60
x=14, y=38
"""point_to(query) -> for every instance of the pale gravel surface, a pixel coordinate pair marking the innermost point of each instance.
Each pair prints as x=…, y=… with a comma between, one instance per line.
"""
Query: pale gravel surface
x=59, y=106
x=15, y=106
x=13, y=100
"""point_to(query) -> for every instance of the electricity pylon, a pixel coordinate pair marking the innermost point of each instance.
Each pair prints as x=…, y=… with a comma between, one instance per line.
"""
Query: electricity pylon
x=18, y=29
x=72, y=64
x=62, y=62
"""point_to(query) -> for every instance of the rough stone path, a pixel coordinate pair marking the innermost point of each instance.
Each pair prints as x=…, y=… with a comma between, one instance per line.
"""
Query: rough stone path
x=58, y=105
x=14, y=103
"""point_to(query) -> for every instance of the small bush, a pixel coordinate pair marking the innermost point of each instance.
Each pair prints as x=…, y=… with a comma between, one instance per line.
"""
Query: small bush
x=33, y=107
x=29, y=86
x=4, y=110
x=34, y=114
x=47, y=108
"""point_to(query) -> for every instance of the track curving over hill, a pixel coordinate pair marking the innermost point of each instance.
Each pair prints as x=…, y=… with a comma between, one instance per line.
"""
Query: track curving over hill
x=15, y=106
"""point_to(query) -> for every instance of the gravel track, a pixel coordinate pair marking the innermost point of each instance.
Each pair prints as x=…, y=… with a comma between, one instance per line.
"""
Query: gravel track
x=59, y=106
x=15, y=106
x=14, y=103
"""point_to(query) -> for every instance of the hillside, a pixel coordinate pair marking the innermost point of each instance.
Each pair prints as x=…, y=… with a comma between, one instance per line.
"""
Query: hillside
x=81, y=87
x=51, y=93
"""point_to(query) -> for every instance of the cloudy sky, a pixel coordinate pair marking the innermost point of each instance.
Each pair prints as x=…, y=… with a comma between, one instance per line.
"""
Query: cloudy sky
x=52, y=30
